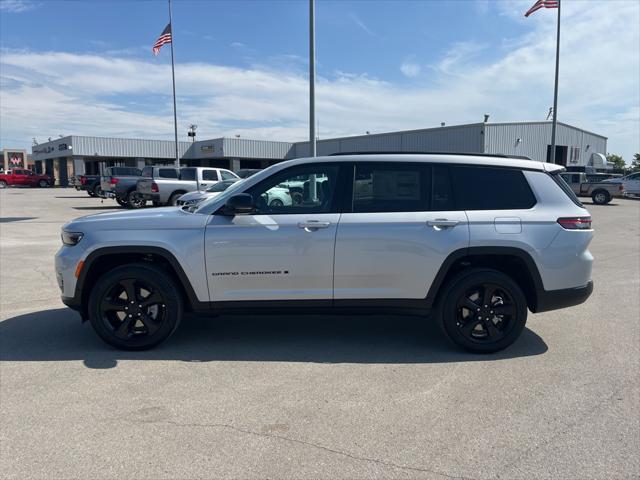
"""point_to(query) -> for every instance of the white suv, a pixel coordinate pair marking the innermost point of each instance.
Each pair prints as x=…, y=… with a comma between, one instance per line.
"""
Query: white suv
x=475, y=241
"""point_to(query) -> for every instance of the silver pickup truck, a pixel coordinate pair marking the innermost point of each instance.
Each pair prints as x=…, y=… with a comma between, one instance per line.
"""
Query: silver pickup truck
x=166, y=191
x=601, y=192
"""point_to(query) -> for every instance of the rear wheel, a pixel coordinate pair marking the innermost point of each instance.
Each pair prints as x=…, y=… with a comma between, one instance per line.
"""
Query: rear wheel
x=135, y=307
x=121, y=202
x=601, y=197
x=276, y=203
x=134, y=200
x=97, y=190
x=3, y=184
x=483, y=310
x=90, y=193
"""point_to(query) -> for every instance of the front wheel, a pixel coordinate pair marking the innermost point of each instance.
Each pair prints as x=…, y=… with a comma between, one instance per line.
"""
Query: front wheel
x=276, y=202
x=483, y=311
x=3, y=184
x=43, y=184
x=135, y=307
x=601, y=197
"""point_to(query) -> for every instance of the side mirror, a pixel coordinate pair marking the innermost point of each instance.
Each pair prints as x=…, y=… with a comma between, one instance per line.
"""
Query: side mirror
x=239, y=204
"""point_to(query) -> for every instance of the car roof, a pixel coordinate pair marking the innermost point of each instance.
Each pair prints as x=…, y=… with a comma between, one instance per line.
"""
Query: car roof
x=459, y=159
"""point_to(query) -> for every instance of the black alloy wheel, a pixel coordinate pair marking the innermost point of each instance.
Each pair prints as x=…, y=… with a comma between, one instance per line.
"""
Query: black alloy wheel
x=483, y=310
x=135, y=307
x=485, y=313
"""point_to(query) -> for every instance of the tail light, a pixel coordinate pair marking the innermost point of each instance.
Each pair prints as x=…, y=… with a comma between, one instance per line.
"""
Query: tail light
x=113, y=180
x=621, y=187
x=83, y=180
x=154, y=187
x=575, y=223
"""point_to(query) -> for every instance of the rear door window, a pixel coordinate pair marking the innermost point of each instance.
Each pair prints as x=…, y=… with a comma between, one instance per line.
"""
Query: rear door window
x=188, y=174
x=227, y=175
x=391, y=187
x=147, y=172
x=491, y=188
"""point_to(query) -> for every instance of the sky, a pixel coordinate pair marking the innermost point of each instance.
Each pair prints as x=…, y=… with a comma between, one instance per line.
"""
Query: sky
x=85, y=67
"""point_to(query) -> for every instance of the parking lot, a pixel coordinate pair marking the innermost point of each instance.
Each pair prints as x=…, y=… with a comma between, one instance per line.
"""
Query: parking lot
x=313, y=396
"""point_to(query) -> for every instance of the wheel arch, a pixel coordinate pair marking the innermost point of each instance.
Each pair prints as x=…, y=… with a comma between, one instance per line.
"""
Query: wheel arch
x=514, y=262
x=104, y=259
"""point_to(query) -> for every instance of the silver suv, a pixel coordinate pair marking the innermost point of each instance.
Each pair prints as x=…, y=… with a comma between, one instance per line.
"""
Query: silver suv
x=471, y=241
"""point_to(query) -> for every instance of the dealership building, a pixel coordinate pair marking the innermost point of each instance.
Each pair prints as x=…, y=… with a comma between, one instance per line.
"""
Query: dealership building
x=76, y=155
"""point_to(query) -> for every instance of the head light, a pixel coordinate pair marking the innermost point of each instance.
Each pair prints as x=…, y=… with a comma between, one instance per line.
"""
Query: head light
x=71, y=238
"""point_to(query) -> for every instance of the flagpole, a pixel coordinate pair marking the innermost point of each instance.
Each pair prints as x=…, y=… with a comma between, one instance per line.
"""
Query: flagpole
x=555, y=93
x=173, y=78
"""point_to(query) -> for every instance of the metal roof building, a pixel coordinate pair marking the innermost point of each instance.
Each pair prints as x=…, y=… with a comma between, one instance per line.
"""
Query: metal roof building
x=74, y=155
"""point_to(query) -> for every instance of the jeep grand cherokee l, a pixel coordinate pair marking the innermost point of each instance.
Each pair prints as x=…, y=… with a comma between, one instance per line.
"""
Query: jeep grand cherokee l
x=473, y=242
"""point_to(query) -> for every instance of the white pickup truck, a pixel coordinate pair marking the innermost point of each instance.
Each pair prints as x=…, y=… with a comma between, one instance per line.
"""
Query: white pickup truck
x=166, y=191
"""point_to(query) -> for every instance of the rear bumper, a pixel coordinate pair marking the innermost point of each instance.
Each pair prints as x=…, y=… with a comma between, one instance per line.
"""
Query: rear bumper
x=154, y=197
x=568, y=297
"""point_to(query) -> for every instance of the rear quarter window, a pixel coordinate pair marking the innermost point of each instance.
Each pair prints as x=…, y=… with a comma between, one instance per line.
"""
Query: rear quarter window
x=565, y=188
x=167, y=173
x=489, y=188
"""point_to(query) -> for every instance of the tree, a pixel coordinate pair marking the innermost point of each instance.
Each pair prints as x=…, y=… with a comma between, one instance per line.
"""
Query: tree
x=635, y=163
x=617, y=160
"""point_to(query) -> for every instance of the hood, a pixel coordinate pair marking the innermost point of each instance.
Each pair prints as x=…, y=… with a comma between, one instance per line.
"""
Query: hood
x=193, y=196
x=143, y=219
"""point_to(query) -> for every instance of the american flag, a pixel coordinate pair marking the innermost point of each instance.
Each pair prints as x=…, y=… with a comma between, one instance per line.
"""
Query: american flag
x=542, y=4
x=165, y=37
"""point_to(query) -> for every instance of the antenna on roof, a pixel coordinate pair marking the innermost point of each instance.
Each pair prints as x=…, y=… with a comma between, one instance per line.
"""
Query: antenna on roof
x=486, y=118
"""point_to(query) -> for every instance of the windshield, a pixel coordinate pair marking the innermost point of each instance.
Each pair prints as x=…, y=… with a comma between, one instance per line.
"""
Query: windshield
x=221, y=186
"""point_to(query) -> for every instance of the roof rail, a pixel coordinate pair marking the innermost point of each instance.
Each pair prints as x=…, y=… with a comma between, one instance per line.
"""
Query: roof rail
x=496, y=155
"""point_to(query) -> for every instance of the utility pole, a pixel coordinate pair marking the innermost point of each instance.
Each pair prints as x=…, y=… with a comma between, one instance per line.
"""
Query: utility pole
x=312, y=95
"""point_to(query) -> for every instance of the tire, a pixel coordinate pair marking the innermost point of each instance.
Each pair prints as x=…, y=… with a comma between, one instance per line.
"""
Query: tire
x=43, y=184
x=276, y=202
x=121, y=202
x=97, y=190
x=466, y=328
x=113, y=315
x=600, y=197
x=133, y=201
x=3, y=184
x=90, y=193
x=173, y=199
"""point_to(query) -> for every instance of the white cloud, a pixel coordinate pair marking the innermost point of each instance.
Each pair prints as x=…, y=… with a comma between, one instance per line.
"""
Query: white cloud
x=17, y=6
x=46, y=93
x=410, y=69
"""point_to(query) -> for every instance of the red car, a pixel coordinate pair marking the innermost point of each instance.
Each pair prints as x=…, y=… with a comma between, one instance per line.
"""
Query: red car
x=22, y=176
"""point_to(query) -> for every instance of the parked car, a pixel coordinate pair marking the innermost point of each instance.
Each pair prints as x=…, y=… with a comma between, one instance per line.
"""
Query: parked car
x=90, y=184
x=276, y=197
x=24, y=178
x=194, y=198
x=631, y=184
x=600, y=192
x=455, y=238
x=247, y=172
x=167, y=191
x=119, y=183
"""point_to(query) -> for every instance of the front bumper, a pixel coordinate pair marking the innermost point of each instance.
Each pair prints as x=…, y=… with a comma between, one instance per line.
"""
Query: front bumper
x=567, y=297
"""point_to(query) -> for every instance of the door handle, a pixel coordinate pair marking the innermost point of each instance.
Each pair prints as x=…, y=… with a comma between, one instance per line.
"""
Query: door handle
x=443, y=223
x=313, y=225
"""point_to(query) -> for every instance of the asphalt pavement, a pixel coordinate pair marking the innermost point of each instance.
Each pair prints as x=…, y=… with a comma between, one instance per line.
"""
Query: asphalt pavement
x=313, y=396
